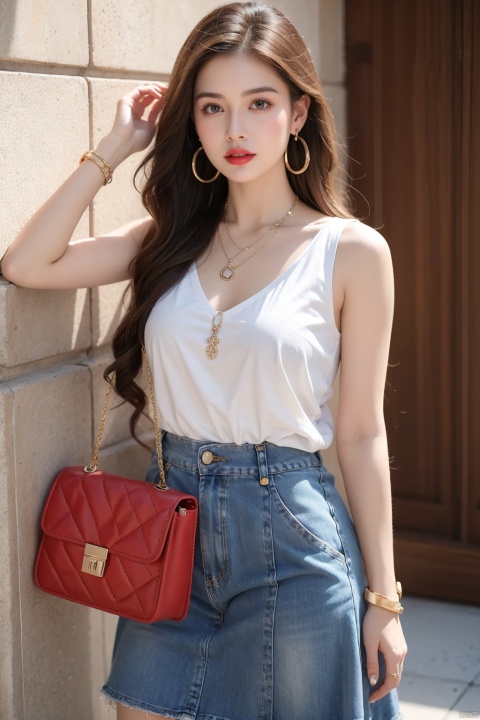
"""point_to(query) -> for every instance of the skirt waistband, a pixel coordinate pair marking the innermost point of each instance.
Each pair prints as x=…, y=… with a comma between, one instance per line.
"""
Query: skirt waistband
x=228, y=458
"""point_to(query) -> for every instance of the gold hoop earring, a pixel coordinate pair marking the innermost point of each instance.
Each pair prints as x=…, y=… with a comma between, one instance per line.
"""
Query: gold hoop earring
x=307, y=157
x=194, y=168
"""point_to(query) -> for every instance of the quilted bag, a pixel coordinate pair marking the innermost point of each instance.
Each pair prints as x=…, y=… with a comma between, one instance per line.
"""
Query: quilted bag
x=119, y=545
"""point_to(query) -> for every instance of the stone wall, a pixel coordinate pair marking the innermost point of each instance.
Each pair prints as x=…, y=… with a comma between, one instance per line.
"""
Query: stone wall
x=63, y=65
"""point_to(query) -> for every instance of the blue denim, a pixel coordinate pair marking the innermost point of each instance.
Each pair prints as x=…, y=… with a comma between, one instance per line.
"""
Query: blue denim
x=274, y=626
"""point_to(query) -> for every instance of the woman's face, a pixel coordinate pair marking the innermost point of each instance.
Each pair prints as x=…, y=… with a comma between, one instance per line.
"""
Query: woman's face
x=243, y=115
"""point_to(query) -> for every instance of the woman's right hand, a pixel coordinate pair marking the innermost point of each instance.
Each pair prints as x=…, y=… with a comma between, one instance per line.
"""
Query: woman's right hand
x=136, y=131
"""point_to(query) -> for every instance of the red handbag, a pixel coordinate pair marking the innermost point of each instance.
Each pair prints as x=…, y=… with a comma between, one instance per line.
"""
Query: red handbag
x=119, y=545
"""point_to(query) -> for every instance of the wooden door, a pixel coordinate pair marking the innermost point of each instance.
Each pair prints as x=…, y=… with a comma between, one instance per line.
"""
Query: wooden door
x=413, y=98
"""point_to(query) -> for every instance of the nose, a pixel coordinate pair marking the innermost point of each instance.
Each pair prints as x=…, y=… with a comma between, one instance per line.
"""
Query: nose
x=235, y=128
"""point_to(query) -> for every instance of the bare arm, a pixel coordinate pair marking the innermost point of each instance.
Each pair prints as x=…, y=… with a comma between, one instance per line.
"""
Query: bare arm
x=361, y=439
x=43, y=255
x=367, y=316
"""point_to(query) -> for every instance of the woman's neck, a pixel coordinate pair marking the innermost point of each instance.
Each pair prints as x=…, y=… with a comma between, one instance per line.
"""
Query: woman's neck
x=262, y=202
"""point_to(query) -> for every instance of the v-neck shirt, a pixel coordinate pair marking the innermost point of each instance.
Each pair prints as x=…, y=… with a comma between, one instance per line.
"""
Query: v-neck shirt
x=278, y=355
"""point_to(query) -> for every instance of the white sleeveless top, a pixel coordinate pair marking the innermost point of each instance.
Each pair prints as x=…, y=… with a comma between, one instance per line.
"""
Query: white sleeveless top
x=278, y=355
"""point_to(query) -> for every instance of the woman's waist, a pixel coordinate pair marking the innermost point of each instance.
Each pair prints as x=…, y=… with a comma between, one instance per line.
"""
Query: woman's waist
x=229, y=458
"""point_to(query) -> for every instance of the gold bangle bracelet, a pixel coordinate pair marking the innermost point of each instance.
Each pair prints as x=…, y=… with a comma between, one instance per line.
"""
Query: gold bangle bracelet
x=383, y=601
x=100, y=162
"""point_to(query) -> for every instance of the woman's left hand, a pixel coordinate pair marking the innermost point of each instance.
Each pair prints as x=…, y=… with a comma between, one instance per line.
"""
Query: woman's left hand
x=383, y=632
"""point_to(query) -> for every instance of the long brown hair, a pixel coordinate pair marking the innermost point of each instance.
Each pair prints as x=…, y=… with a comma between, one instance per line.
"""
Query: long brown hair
x=186, y=213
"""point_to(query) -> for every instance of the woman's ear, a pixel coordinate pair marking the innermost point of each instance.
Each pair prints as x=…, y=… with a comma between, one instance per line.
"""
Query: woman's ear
x=300, y=113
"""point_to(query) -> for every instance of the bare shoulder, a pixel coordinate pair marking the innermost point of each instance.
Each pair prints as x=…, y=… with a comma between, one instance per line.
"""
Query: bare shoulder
x=357, y=236
x=361, y=252
x=310, y=221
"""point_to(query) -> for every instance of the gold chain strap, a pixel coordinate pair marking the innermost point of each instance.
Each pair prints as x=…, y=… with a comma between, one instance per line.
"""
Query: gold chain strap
x=92, y=465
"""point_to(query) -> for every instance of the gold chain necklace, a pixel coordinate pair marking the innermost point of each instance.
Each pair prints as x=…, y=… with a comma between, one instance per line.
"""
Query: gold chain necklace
x=247, y=247
x=228, y=272
x=212, y=341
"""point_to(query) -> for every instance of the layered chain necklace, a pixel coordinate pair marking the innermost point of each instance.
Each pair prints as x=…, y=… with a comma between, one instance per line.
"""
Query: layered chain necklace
x=228, y=272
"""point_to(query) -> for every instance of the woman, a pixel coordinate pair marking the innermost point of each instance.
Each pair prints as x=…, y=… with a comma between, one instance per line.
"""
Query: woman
x=244, y=322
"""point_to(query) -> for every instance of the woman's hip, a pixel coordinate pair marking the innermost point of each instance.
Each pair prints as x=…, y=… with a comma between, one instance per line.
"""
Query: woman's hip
x=267, y=513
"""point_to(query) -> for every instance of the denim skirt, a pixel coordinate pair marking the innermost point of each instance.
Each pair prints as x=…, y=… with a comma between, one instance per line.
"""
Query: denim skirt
x=274, y=628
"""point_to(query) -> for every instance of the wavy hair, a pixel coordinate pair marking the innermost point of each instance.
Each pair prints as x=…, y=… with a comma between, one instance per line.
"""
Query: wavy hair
x=186, y=213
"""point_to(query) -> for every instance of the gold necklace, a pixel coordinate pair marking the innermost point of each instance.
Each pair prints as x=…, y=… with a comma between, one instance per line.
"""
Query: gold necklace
x=212, y=349
x=247, y=247
x=212, y=341
x=228, y=272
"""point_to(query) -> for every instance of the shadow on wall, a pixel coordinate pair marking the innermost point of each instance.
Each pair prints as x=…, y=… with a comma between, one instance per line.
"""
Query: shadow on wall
x=8, y=16
x=41, y=323
x=118, y=302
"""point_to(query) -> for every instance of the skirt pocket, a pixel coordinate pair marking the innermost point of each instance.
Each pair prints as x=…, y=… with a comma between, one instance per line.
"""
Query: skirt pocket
x=299, y=499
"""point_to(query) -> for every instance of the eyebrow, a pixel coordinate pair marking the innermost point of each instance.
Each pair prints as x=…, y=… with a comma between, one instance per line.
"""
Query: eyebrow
x=254, y=91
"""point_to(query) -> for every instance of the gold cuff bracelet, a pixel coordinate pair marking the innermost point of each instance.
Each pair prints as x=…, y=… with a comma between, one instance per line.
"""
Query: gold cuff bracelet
x=384, y=601
x=100, y=162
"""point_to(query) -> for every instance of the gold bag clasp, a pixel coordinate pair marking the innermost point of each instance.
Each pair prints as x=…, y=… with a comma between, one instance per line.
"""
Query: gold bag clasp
x=94, y=559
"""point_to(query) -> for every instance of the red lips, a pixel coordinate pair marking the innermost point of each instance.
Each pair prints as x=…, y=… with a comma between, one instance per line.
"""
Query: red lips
x=238, y=151
x=239, y=156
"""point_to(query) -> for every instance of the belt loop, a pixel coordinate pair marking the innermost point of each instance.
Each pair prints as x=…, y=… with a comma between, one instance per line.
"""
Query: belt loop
x=262, y=463
x=320, y=458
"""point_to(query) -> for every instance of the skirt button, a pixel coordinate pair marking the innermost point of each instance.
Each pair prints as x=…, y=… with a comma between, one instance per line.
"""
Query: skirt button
x=207, y=457
x=264, y=481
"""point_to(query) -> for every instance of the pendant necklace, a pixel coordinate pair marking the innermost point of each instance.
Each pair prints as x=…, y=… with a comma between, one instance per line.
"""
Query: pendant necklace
x=228, y=273
x=212, y=350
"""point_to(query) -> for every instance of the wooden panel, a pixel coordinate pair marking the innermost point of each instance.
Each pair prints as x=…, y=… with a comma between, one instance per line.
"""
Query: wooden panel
x=414, y=140
x=411, y=193
x=360, y=91
x=471, y=237
x=442, y=570
x=417, y=89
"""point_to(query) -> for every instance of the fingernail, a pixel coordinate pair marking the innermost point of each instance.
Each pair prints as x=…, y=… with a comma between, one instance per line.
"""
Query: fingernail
x=373, y=679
